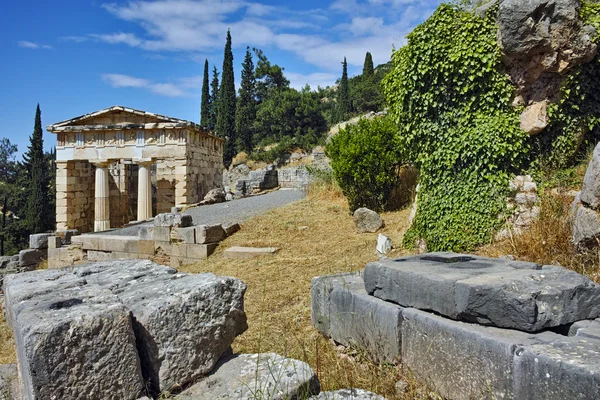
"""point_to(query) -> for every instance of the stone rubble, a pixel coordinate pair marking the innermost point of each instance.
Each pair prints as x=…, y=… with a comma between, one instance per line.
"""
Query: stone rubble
x=367, y=220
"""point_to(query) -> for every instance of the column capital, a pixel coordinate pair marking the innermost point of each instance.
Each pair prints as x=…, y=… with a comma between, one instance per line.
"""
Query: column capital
x=100, y=163
x=143, y=161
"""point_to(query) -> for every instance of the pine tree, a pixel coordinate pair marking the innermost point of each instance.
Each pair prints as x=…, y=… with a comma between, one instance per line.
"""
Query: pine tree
x=205, y=106
x=213, y=100
x=368, y=66
x=226, y=105
x=37, y=213
x=343, y=100
x=246, y=107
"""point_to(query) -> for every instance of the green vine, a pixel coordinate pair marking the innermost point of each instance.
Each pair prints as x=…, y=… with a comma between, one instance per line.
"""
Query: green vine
x=453, y=108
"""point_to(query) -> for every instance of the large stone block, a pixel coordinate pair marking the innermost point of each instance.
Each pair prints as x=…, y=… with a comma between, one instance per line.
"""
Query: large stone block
x=210, y=234
x=342, y=310
x=587, y=328
x=495, y=292
x=586, y=226
x=31, y=257
x=563, y=368
x=39, y=240
x=9, y=382
x=176, y=220
x=460, y=360
x=590, y=193
x=74, y=340
x=256, y=376
x=184, y=326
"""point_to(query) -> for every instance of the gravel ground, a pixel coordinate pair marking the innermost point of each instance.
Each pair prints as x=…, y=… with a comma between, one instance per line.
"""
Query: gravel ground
x=231, y=211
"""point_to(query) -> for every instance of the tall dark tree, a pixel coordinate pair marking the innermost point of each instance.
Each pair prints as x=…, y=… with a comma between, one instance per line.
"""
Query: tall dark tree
x=246, y=106
x=269, y=77
x=205, y=106
x=226, y=105
x=37, y=213
x=213, y=100
x=343, y=100
x=368, y=66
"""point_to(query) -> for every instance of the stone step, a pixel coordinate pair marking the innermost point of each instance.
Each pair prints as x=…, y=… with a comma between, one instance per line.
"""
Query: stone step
x=249, y=252
x=502, y=293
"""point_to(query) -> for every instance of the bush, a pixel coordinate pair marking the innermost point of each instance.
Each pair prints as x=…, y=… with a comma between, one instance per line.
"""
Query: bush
x=366, y=159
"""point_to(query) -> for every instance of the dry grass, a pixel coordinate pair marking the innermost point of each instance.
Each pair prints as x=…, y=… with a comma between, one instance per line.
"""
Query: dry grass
x=7, y=343
x=316, y=237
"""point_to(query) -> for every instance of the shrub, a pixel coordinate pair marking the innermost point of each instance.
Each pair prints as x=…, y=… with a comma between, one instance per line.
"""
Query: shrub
x=366, y=159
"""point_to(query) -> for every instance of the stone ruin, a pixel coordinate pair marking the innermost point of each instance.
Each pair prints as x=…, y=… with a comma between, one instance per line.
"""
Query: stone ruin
x=101, y=155
x=132, y=329
x=470, y=327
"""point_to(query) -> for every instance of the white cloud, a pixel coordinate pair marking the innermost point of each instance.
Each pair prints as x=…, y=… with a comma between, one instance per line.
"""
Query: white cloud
x=163, y=89
x=31, y=45
x=119, y=38
x=323, y=79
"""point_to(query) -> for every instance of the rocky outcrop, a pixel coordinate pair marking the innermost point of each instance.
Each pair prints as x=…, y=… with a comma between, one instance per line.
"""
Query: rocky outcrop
x=214, y=196
x=367, y=220
x=585, y=214
x=110, y=329
x=540, y=41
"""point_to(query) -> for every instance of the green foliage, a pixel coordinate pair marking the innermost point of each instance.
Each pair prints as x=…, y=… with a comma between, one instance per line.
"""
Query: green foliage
x=453, y=109
x=204, y=105
x=38, y=207
x=289, y=115
x=368, y=66
x=343, y=99
x=590, y=14
x=269, y=78
x=225, y=127
x=213, y=100
x=365, y=159
x=246, y=107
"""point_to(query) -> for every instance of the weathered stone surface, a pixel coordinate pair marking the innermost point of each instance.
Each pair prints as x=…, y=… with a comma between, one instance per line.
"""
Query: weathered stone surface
x=74, y=340
x=209, y=234
x=186, y=235
x=563, y=368
x=347, y=394
x=9, y=382
x=31, y=257
x=255, y=376
x=535, y=118
x=586, y=226
x=460, y=360
x=540, y=40
x=183, y=323
x=54, y=242
x=587, y=328
x=495, y=292
x=175, y=220
x=367, y=220
x=66, y=235
x=249, y=252
x=342, y=310
x=590, y=193
x=231, y=228
x=214, y=196
x=39, y=240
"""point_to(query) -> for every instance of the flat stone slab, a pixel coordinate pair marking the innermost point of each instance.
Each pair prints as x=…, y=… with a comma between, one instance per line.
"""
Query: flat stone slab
x=249, y=252
x=342, y=310
x=255, y=376
x=587, y=328
x=73, y=340
x=488, y=291
x=347, y=394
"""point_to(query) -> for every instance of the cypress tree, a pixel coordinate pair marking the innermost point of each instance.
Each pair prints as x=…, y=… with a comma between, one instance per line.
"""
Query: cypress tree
x=226, y=105
x=37, y=212
x=246, y=107
x=343, y=102
x=205, y=106
x=213, y=100
x=368, y=66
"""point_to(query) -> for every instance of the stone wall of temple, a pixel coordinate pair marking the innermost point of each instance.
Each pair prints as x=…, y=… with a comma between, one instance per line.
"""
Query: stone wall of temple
x=164, y=182
x=75, y=195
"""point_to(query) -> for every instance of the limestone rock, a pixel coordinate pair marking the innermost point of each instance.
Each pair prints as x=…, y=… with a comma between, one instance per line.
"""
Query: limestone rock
x=590, y=193
x=586, y=226
x=540, y=39
x=210, y=234
x=9, y=382
x=175, y=220
x=367, y=220
x=31, y=257
x=255, y=376
x=39, y=240
x=214, y=196
x=231, y=228
x=183, y=323
x=503, y=293
x=535, y=118
x=586, y=328
x=347, y=394
x=74, y=340
x=66, y=235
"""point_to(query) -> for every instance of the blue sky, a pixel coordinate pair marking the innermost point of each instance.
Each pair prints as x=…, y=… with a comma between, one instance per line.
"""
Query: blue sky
x=79, y=56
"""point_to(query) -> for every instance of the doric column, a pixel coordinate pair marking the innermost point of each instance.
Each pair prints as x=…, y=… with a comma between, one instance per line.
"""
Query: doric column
x=102, y=196
x=144, y=198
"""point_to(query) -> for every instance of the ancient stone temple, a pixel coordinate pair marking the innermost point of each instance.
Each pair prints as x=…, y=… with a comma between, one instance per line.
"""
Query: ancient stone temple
x=119, y=165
